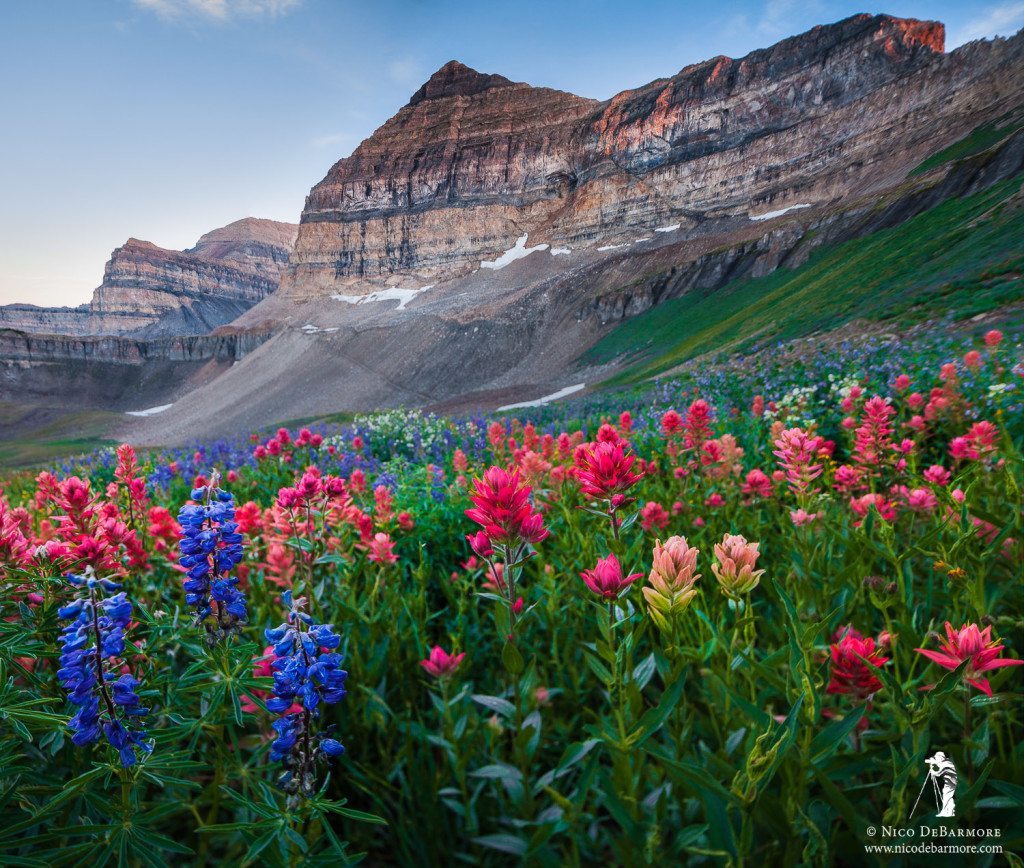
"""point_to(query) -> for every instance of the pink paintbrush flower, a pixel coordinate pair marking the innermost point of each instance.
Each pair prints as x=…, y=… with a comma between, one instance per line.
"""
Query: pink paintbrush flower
x=970, y=643
x=481, y=544
x=606, y=579
x=697, y=424
x=672, y=580
x=937, y=475
x=757, y=484
x=441, y=664
x=978, y=442
x=797, y=451
x=874, y=435
x=671, y=423
x=734, y=568
x=803, y=518
x=921, y=500
x=973, y=360
x=381, y=549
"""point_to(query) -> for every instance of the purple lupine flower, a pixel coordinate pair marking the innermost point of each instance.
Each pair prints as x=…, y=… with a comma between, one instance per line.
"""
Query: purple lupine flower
x=106, y=703
x=306, y=672
x=211, y=547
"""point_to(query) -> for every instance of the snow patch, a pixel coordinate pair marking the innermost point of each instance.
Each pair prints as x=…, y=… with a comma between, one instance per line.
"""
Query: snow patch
x=540, y=402
x=768, y=215
x=642, y=240
x=394, y=293
x=152, y=411
x=560, y=251
x=610, y=247
x=512, y=254
x=671, y=228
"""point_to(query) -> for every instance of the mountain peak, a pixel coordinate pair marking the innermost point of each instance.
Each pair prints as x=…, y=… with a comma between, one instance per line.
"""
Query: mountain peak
x=457, y=79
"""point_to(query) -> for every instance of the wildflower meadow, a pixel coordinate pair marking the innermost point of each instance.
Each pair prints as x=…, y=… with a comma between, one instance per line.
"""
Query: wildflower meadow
x=725, y=619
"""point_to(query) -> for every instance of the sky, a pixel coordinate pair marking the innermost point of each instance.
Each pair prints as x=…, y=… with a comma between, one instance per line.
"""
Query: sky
x=163, y=119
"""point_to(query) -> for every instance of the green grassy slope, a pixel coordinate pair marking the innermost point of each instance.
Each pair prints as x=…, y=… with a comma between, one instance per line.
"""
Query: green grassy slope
x=979, y=139
x=964, y=257
x=30, y=437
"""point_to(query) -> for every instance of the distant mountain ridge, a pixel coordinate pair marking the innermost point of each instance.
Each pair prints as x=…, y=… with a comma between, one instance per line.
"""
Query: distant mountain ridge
x=149, y=291
x=472, y=250
x=474, y=161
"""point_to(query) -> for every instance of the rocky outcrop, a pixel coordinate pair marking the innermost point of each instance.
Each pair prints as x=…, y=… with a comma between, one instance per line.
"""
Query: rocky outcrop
x=475, y=161
x=113, y=372
x=51, y=320
x=448, y=179
x=149, y=291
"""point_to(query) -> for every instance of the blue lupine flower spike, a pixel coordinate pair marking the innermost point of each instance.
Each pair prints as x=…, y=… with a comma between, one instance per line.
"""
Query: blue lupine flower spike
x=307, y=676
x=106, y=702
x=211, y=547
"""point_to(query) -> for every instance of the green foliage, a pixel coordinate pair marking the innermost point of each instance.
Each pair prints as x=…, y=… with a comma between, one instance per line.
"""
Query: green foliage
x=590, y=736
x=964, y=255
x=979, y=139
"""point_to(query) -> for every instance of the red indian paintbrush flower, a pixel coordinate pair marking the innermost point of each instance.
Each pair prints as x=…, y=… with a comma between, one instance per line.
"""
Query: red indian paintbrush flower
x=970, y=643
x=698, y=424
x=978, y=442
x=480, y=543
x=440, y=663
x=605, y=471
x=501, y=506
x=606, y=578
x=854, y=660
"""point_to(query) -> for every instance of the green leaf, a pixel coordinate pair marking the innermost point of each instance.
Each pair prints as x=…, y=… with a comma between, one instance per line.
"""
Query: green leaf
x=644, y=671
x=261, y=844
x=340, y=809
x=695, y=777
x=504, y=843
x=512, y=659
x=847, y=811
x=498, y=771
x=828, y=741
x=602, y=672
x=653, y=718
x=1011, y=791
x=495, y=703
x=948, y=683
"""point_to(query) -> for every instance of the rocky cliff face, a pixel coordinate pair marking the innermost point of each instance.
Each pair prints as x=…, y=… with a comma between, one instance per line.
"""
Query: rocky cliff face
x=148, y=291
x=113, y=372
x=451, y=177
x=475, y=161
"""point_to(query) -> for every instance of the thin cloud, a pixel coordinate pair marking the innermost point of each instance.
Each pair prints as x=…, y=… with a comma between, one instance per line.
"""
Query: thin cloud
x=217, y=10
x=1004, y=19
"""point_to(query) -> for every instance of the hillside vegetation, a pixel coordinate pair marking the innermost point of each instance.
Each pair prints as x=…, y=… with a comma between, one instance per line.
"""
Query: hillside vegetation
x=963, y=257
